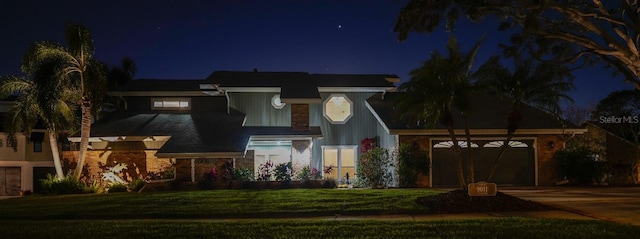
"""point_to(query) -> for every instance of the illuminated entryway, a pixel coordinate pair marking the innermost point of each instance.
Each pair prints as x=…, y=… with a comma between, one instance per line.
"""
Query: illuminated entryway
x=297, y=151
x=340, y=160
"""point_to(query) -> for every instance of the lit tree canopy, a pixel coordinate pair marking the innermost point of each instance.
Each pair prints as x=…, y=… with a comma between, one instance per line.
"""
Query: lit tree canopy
x=570, y=30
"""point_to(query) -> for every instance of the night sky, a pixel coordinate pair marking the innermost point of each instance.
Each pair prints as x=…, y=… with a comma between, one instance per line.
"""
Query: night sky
x=191, y=39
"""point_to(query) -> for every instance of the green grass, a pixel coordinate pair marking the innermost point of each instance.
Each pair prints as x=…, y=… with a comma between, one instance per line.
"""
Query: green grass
x=479, y=228
x=264, y=214
x=215, y=204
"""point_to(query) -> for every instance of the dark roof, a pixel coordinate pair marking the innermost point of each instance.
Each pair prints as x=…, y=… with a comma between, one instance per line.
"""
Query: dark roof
x=195, y=132
x=623, y=130
x=191, y=132
x=161, y=85
x=488, y=112
x=298, y=79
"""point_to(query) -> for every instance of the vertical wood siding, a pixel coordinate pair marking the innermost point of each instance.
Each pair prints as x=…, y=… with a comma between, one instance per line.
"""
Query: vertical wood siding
x=362, y=125
x=258, y=109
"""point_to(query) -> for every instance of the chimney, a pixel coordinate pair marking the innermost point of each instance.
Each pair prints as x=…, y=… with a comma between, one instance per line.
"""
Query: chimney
x=300, y=117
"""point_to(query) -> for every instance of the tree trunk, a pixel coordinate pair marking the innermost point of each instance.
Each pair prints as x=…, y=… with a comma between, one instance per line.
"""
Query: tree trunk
x=53, y=143
x=513, y=123
x=456, y=147
x=85, y=132
x=503, y=149
x=469, y=157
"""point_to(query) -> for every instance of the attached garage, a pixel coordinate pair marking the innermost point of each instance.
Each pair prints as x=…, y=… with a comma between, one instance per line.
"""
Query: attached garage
x=10, y=181
x=516, y=168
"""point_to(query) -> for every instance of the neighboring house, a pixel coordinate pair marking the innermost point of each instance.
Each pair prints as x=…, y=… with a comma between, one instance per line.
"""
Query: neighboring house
x=22, y=168
x=246, y=119
x=620, y=153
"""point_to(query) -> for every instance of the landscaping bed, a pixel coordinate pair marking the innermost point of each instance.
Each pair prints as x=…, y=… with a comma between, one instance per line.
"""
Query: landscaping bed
x=458, y=201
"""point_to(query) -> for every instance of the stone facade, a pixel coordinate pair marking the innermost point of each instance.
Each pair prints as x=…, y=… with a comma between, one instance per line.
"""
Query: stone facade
x=300, y=116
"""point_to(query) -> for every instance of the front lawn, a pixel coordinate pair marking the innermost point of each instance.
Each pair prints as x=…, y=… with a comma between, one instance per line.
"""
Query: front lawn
x=215, y=204
x=478, y=228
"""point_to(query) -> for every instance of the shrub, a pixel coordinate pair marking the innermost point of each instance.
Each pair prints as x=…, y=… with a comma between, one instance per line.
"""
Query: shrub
x=67, y=185
x=137, y=184
x=410, y=164
x=117, y=188
x=264, y=171
x=373, y=168
x=242, y=174
x=283, y=171
x=579, y=165
x=329, y=183
x=93, y=187
x=207, y=180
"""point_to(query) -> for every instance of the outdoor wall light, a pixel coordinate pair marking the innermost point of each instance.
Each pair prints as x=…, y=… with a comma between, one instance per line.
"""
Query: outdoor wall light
x=552, y=144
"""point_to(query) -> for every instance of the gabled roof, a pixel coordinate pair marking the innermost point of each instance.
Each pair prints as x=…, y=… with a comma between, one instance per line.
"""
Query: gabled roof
x=488, y=116
x=158, y=87
x=195, y=134
x=300, y=87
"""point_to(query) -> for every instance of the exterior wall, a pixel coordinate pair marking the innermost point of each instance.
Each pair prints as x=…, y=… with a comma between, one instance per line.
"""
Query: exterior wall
x=8, y=154
x=423, y=145
x=139, y=162
x=386, y=140
x=25, y=159
x=258, y=109
x=548, y=171
x=362, y=125
x=197, y=102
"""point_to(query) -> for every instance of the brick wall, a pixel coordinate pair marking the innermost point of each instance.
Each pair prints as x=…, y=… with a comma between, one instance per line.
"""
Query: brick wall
x=423, y=145
x=139, y=162
x=300, y=116
x=548, y=169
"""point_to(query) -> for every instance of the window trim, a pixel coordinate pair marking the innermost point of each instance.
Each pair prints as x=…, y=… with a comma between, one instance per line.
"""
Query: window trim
x=338, y=167
x=179, y=100
x=324, y=108
x=273, y=102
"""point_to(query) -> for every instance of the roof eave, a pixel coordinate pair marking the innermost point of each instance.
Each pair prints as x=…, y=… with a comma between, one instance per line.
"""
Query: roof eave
x=485, y=131
x=194, y=155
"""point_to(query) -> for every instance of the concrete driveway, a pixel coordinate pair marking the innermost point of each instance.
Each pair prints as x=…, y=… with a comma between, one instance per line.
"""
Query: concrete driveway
x=615, y=204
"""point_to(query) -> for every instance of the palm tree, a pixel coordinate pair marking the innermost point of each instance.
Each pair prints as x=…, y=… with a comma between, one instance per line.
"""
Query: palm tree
x=441, y=85
x=36, y=102
x=540, y=85
x=78, y=71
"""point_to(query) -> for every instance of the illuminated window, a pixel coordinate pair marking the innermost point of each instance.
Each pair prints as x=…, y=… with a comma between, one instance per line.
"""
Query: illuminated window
x=339, y=161
x=170, y=103
x=337, y=108
x=277, y=103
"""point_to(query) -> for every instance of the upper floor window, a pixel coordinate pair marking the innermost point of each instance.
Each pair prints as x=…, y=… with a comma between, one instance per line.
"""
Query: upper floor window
x=170, y=104
x=338, y=108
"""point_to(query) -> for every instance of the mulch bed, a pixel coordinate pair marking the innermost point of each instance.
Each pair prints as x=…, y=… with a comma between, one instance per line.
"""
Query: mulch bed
x=458, y=201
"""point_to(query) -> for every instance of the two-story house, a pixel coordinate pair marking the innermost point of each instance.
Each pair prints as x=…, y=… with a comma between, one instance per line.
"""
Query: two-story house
x=249, y=118
x=22, y=168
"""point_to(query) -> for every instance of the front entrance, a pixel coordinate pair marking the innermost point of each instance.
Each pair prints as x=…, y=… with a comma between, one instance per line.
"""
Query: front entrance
x=517, y=167
x=10, y=181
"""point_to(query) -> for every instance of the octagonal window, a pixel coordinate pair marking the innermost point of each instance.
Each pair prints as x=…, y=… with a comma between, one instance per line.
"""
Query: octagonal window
x=276, y=102
x=338, y=108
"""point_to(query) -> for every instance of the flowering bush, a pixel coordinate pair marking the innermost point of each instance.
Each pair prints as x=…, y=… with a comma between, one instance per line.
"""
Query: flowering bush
x=265, y=171
x=373, y=168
